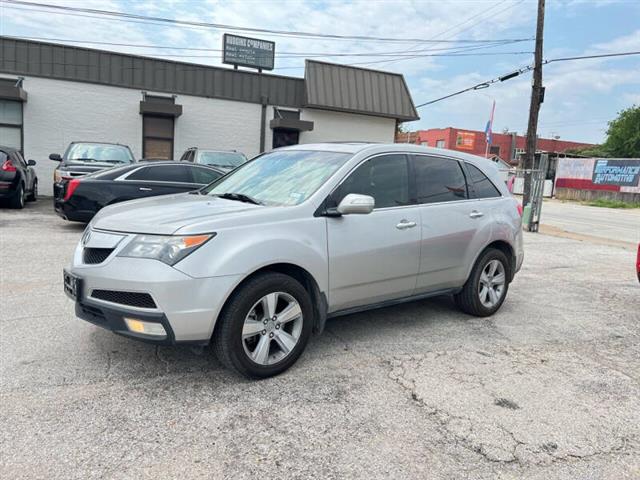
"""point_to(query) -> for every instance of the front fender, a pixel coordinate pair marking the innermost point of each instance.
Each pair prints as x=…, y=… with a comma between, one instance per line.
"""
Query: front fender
x=243, y=250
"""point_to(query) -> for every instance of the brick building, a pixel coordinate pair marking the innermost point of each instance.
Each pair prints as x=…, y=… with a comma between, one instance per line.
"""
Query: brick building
x=507, y=146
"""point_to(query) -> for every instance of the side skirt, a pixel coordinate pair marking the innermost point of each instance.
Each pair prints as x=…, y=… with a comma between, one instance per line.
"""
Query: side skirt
x=397, y=301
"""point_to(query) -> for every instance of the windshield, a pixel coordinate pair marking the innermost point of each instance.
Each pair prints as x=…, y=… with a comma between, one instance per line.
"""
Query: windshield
x=286, y=177
x=221, y=159
x=95, y=152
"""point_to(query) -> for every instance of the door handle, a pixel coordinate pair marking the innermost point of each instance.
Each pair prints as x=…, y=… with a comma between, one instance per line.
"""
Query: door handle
x=404, y=224
x=145, y=189
x=476, y=214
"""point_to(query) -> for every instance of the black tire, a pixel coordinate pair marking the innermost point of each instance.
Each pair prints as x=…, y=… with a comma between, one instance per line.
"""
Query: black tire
x=468, y=300
x=33, y=196
x=17, y=201
x=227, y=337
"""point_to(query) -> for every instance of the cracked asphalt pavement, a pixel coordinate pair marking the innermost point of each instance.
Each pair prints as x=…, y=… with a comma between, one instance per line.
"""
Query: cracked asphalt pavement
x=548, y=388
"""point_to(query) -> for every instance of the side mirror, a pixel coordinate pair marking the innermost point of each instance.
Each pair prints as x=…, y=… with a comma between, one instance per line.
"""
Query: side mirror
x=355, y=203
x=31, y=163
x=55, y=157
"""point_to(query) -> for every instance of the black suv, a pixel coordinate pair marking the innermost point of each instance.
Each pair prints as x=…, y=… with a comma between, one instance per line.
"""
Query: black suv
x=18, y=180
x=82, y=158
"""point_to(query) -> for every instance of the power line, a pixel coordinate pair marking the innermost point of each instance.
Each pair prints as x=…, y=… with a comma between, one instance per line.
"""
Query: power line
x=291, y=33
x=480, y=14
x=278, y=54
x=511, y=75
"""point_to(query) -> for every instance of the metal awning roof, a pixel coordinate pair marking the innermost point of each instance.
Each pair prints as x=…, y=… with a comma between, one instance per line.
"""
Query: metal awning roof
x=357, y=90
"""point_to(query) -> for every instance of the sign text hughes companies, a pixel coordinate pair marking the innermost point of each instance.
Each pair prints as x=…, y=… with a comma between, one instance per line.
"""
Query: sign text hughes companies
x=248, y=52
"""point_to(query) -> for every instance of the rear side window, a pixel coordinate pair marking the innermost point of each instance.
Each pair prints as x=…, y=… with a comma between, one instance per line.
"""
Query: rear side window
x=481, y=184
x=204, y=175
x=439, y=180
x=162, y=173
x=385, y=178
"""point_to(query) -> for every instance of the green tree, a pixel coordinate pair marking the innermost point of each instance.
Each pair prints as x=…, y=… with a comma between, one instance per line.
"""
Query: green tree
x=623, y=134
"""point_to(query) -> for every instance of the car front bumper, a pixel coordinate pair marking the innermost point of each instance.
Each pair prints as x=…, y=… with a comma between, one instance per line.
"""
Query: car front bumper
x=185, y=306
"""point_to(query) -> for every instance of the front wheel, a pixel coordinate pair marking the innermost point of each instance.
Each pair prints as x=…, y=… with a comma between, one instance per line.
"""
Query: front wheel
x=33, y=196
x=265, y=326
x=487, y=286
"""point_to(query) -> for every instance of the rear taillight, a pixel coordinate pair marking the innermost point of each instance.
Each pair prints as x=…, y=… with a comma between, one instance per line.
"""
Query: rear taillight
x=8, y=166
x=519, y=207
x=71, y=187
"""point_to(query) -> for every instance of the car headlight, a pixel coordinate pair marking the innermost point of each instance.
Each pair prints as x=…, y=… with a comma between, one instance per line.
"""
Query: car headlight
x=169, y=249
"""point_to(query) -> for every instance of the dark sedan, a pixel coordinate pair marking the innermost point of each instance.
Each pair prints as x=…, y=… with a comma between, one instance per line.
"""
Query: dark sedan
x=81, y=198
x=18, y=180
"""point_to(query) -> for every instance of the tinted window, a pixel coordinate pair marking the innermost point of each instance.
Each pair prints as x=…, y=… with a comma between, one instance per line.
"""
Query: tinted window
x=163, y=173
x=439, y=180
x=385, y=178
x=204, y=175
x=481, y=184
x=19, y=159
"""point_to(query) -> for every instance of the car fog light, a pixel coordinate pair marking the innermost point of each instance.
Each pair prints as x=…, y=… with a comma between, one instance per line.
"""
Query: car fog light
x=148, y=328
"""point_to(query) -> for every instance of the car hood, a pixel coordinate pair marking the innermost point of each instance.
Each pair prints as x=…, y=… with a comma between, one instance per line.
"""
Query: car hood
x=165, y=215
x=80, y=168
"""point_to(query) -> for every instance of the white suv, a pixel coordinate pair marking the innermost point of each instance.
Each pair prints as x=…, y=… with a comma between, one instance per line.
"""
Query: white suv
x=256, y=261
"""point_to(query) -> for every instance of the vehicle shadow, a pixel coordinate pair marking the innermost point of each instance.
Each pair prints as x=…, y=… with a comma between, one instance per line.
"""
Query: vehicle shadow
x=367, y=331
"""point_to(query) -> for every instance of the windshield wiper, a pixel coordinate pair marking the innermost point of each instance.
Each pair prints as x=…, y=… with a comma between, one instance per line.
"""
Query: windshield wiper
x=82, y=160
x=240, y=197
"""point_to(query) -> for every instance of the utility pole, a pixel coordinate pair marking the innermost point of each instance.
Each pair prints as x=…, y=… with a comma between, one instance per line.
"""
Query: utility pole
x=537, y=93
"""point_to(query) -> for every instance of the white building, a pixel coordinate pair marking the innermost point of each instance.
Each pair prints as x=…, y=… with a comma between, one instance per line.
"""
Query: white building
x=53, y=94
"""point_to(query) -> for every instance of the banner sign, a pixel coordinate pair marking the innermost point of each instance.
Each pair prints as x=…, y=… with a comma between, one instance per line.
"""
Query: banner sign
x=465, y=140
x=623, y=173
x=248, y=52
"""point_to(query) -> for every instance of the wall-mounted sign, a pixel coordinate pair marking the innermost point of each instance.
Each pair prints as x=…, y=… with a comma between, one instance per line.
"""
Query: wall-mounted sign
x=623, y=173
x=465, y=140
x=248, y=52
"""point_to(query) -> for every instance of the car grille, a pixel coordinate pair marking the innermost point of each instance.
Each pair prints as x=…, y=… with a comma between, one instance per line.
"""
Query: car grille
x=131, y=299
x=96, y=255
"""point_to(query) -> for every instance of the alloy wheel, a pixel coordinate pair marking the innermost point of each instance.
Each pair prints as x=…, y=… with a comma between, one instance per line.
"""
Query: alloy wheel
x=272, y=328
x=492, y=283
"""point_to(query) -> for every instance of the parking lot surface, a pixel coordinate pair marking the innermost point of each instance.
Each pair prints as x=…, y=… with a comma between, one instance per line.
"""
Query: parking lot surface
x=548, y=388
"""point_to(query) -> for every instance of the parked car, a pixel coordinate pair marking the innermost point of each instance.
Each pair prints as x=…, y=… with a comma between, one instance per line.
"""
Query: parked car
x=82, y=158
x=81, y=198
x=227, y=159
x=256, y=261
x=18, y=179
x=638, y=262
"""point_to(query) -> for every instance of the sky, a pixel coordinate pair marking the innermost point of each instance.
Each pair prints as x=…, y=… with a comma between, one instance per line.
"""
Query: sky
x=581, y=96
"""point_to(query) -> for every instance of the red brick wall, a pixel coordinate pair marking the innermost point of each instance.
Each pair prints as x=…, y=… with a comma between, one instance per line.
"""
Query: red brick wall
x=449, y=135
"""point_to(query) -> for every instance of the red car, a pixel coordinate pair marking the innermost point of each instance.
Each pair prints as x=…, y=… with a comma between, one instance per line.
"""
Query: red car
x=638, y=263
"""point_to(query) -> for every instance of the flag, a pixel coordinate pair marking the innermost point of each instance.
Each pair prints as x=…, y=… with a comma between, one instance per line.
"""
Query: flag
x=487, y=130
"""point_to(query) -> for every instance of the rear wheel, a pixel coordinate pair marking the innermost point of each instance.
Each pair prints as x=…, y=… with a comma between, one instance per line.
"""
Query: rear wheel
x=487, y=286
x=265, y=326
x=17, y=201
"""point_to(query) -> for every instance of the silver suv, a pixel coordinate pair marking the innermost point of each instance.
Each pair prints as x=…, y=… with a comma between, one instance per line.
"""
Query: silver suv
x=257, y=261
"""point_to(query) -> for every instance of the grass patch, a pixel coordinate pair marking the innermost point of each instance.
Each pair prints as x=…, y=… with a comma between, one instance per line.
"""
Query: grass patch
x=604, y=202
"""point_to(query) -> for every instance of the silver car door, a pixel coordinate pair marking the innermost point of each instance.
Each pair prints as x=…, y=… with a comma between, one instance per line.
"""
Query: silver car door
x=453, y=227
x=374, y=257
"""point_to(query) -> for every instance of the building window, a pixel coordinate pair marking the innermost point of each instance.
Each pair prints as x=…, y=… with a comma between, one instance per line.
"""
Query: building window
x=157, y=137
x=494, y=150
x=440, y=143
x=424, y=143
x=11, y=124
